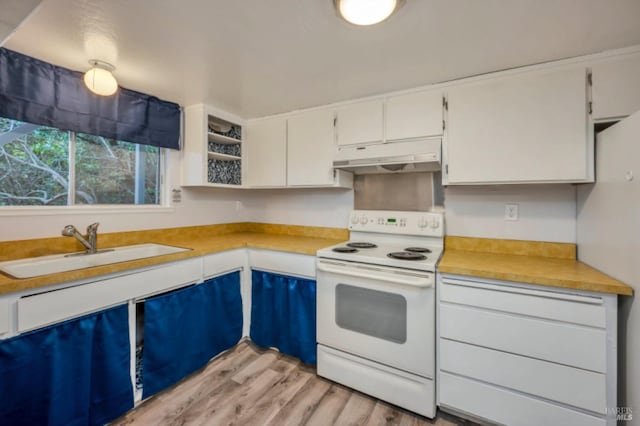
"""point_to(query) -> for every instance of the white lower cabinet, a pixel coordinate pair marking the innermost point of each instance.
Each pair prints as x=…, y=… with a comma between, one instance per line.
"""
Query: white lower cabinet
x=519, y=354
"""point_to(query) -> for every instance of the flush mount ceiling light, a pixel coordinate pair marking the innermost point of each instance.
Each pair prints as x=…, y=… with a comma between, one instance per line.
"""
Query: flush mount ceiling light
x=366, y=12
x=99, y=79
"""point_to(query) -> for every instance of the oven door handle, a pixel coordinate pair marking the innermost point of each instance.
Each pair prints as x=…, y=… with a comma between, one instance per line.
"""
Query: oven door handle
x=376, y=274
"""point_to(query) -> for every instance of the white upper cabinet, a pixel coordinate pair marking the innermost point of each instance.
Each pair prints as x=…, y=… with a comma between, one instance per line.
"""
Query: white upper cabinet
x=523, y=128
x=266, y=152
x=212, y=151
x=616, y=87
x=414, y=115
x=311, y=148
x=360, y=123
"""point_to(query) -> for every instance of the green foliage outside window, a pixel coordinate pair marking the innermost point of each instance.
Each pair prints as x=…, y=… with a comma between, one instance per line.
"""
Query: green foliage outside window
x=36, y=166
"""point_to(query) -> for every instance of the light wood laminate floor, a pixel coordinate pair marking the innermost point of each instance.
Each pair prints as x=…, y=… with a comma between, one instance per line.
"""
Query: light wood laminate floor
x=251, y=386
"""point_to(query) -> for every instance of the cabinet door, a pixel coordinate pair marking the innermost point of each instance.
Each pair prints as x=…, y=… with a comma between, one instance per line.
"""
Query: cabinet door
x=524, y=128
x=310, y=148
x=616, y=87
x=267, y=153
x=360, y=123
x=414, y=115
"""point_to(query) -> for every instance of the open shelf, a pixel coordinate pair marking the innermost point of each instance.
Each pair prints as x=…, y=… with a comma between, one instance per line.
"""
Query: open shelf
x=222, y=157
x=226, y=140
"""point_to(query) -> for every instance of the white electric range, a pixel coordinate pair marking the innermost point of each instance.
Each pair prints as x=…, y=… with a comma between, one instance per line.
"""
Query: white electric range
x=376, y=307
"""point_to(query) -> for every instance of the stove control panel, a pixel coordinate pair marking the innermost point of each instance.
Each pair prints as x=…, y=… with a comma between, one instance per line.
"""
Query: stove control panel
x=396, y=222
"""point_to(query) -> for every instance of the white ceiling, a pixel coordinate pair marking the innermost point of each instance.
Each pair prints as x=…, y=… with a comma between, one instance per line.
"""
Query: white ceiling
x=260, y=57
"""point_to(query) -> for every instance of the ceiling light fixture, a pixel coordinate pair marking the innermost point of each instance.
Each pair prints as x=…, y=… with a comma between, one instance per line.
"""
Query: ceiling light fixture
x=99, y=79
x=366, y=12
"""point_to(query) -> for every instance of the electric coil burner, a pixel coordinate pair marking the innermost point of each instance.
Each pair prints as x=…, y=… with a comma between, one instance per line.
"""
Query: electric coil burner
x=360, y=245
x=406, y=255
x=344, y=250
x=375, y=306
x=418, y=250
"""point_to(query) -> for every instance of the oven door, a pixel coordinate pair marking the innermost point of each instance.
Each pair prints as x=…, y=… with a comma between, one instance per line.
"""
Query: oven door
x=382, y=314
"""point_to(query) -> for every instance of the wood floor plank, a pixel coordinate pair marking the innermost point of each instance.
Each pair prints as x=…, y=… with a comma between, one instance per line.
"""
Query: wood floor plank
x=297, y=411
x=179, y=398
x=384, y=414
x=224, y=410
x=409, y=419
x=356, y=411
x=256, y=367
x=251, y=386
x=268, y=406
x=330, y=406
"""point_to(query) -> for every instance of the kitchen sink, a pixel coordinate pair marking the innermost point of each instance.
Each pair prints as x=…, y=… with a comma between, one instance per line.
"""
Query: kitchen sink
x=36, y=266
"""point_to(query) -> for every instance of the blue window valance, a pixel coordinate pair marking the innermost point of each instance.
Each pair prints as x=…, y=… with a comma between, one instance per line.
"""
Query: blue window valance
x=37, y=92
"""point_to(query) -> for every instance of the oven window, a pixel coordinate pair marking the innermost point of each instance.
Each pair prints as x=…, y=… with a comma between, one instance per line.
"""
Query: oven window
x=372, y=312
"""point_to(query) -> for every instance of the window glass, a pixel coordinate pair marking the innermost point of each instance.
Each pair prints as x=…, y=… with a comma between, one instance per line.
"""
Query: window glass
x=115, y=172
x=36, y=165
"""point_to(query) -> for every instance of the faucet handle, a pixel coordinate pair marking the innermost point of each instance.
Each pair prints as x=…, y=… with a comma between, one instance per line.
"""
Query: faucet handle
x=93, y=228
x=69, y=230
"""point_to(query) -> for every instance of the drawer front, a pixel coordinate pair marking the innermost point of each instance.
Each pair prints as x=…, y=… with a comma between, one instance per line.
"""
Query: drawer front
x=567, y=344
x=47, y=308
x=572, y=386
x=577, y=309
x=506, y=407
x=300, y=265
x=220, y=263
x=398, y=387
x=4, y=316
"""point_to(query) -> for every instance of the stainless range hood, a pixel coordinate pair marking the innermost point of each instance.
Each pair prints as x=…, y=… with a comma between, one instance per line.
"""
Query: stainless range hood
x=395, y=157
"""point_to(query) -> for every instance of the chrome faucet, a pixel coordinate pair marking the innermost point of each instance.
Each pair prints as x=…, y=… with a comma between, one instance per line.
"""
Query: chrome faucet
x=90, y=241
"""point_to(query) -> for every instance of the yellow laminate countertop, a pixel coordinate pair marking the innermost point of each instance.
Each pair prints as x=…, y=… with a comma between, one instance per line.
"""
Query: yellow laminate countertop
x=300, y=241
x=548, y=264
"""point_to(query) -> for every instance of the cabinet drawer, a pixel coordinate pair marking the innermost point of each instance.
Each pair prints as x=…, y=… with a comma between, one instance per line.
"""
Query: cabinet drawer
x=300, y=265
x=4, y=316
x=505, y=407
x=567, y=344
x=47, y=308
x=585, y=310
x=217, y=264
x=572, y=386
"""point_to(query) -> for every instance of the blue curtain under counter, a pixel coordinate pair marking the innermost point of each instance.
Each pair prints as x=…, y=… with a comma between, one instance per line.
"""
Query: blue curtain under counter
x=283, y=314
x=73, y=373
x=184, y=329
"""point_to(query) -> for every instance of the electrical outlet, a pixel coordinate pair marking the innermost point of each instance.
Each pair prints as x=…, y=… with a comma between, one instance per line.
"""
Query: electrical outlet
x=510, y=212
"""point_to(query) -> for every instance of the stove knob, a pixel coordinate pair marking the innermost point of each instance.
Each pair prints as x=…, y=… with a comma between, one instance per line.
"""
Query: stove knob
x=364, y=220
x=435, y=223
x=422, y=223
x=354, y=219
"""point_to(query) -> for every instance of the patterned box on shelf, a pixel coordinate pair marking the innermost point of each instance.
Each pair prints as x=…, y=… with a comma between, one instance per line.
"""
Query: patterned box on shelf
x=224, y=172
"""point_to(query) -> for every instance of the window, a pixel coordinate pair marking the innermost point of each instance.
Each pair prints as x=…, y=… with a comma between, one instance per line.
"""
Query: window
x=44, y=166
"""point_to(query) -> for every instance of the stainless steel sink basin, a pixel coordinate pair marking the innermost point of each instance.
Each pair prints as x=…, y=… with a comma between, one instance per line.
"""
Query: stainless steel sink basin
x=36, y=266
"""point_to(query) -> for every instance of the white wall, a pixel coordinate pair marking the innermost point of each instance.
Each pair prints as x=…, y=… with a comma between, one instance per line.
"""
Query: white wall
x=546, y=212
x=310, y=207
